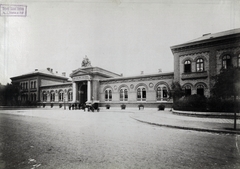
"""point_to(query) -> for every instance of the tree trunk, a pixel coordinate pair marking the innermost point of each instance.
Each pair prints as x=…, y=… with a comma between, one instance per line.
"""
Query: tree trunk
x=235, y=113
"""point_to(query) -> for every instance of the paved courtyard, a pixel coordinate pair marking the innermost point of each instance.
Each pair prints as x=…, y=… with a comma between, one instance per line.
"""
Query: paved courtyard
x=47, y=139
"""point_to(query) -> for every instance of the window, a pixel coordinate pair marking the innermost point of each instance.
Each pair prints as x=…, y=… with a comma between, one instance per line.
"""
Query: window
x=187, y=66
x=226, y=61
x=200, y=90
x=34, y=85
x=70, y=96
x=123, y=95
x=108, y=95
x=141, y=94
x=188, y=90
x=44, y=96
x=26, y=85
x=52, y=96
x=200, y=65
x=161, y=93
x=60, y=96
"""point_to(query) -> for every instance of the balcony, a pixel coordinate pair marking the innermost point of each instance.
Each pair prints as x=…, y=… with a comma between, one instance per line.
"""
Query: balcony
x=194, y=75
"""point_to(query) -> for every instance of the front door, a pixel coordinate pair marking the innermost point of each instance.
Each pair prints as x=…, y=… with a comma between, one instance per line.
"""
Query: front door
x=83, y=94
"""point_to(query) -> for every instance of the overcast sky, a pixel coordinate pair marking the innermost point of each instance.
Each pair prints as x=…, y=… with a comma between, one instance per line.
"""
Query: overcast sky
x=122, y=36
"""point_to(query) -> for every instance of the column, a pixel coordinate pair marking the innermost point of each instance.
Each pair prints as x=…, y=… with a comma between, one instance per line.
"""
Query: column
x=74, y=91
x=89, y=91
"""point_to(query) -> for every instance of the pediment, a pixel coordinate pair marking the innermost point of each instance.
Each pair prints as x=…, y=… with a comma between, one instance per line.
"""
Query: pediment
x=78, y=72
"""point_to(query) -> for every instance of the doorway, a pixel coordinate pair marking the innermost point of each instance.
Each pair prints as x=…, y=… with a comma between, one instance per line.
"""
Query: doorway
x=83, y=94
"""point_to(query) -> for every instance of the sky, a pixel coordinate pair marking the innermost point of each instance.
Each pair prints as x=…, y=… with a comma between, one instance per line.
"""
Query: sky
x=121, y=36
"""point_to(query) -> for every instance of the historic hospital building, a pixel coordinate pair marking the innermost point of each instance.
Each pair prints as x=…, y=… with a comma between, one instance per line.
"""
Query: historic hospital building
x=195, y=64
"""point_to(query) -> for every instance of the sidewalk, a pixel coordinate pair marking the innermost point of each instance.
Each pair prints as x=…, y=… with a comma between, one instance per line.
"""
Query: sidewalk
x=168, y=119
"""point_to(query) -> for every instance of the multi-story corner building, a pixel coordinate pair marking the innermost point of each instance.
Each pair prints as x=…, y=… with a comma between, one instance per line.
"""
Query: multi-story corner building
x=31, y=83
x=198, y=61
x=195, y=64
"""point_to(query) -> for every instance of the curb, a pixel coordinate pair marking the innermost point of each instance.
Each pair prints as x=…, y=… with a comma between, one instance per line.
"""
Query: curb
x=189, y=128
x=206, y=114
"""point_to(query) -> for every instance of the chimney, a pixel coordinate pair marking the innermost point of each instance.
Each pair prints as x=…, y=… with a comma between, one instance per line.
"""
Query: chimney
x=36, y=69
x=121, y=74
x=142, y=72
x=56, y=72
x=48, y=69
x=159, y=70
x=64, y=74
x=206, y=34
x=51, y=70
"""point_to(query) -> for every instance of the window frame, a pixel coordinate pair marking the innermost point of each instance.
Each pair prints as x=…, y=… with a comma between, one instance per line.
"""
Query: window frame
x=200, y=65
x=108, y=95
x=187, y=66
x=141, y=94
x=226, y=61
x=162, y=93
x=187, y=88
x=199, y=92
x=123, y=94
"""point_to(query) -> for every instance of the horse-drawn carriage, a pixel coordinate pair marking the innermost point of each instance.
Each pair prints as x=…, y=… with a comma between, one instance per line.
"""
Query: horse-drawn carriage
x=92, y=106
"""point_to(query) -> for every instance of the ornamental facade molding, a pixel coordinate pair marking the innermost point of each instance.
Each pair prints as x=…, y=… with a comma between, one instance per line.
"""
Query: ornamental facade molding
x=137, y=80
x=233, y=50
x=57, y=87
x=196, y=54
x=206, y=44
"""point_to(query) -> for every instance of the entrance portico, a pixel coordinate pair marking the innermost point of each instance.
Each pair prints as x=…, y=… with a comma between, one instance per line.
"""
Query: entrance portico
x=86, y=85
x=82, y=89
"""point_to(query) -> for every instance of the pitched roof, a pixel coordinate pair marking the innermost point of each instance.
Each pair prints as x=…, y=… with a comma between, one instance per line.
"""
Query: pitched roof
x=48, y=72
x=213, y=36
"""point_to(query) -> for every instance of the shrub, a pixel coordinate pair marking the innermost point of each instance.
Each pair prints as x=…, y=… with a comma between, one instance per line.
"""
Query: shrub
x=161, y=107
x=218, y=105
x=140, y=106
x=60, y=105
x=123, y=106
x=51, y=105
x=44, y=105
x=107, y=106
x=191, y=103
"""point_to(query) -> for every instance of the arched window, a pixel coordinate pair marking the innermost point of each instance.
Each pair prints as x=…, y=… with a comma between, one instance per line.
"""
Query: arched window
x=108, y=95
x=60, y=96
x=141, y=94
x=123, y=94
x=200, y=90
x=188, y=90
x=161, y=93
x=52, y=96
x=226, y=61
x=70, y=95
x=187, y=66
x=200, y=65
x=44, y=96
x=34, y=86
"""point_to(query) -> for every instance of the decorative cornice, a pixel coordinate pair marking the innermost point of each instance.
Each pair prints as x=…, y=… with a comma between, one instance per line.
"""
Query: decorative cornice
x=56, y=86
x=229, y=49
x=200, y=44
x=137, y=79
x=195, y=53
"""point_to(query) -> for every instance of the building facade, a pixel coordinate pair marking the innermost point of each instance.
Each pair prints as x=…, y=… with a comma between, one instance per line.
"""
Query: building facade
x=198, y=61
x=195, y=64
